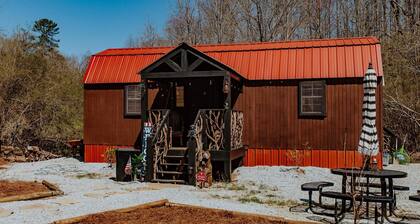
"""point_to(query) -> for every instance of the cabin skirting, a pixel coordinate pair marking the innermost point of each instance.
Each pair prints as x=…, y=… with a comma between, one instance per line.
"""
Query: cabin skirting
x=96, y=153
x=327, y=158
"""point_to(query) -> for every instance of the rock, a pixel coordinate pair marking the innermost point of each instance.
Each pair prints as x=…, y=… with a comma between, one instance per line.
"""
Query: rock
x=18, y=152
x=5, y=212
x=6, y=149
x=36, y=206
x=20, y=159
x=28, y=154
x=33, y=148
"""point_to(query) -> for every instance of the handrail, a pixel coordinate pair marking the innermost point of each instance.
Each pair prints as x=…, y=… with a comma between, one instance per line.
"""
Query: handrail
x=160, y=125
x=160, y=141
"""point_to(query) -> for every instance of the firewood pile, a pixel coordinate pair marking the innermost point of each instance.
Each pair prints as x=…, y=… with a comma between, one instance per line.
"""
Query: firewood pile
x=28, y=154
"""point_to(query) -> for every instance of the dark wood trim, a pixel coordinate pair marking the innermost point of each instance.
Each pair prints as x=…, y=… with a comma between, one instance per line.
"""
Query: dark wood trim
x=168, y=75
x=324, y=103
x=237, y=153
x=144, y=102
x=173, y=65
x=184, y=60
x=185, y=49
x=234, y=76
x=220, y=155
x=206, y=58
x=195, y=64
x=159, y=61
x=149, y=161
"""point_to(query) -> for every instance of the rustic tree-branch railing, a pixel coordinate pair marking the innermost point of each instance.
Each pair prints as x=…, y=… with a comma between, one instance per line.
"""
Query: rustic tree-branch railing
x=237, y=126
x=160, y=141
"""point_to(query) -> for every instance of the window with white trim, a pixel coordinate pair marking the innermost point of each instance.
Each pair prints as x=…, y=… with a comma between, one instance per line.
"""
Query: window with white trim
x=132, y=99
x=312, y=98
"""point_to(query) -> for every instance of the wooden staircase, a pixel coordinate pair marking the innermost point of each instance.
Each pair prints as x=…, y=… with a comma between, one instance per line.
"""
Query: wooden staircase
x=174, y=169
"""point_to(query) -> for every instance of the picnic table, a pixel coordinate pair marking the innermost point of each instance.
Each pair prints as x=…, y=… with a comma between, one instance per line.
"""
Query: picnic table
x=387, y=189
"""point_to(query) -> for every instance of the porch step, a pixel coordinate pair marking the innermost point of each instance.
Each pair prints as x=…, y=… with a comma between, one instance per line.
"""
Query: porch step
x=170, y=172
x=178, y=148
x=168, y=181
x=175, y=156
x=177, y=151
x=173, y=164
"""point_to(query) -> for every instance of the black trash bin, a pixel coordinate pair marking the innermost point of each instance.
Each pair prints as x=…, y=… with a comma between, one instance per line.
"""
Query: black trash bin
x=122, y=155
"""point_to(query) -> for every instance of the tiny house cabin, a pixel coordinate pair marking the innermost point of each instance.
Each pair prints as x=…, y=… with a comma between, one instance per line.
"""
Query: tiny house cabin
x=274, y=103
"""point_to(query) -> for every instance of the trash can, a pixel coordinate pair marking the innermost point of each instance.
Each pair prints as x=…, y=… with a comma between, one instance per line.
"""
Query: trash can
x=122, y=156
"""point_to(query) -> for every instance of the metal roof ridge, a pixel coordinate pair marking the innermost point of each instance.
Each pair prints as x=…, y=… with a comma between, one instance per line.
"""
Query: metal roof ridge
x=370, y=39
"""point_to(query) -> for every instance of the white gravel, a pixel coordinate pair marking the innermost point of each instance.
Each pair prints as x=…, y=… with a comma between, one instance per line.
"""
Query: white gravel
x=88, y=189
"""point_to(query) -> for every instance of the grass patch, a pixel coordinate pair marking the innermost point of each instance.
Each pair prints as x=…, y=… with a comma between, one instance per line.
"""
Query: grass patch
x=254, y=192
x=219, y=185
x=220, y=196
x=281, y=203
x=270, y=195
x=235, y=187
x=248, y=199
x=88, y=176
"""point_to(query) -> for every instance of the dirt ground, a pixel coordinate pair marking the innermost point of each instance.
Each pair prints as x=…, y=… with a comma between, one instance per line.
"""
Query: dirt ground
x=3, y=162
x=12, y=188
x=178, y=215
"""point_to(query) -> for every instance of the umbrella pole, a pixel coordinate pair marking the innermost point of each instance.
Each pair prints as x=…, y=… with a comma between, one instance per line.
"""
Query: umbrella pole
x=366, y=162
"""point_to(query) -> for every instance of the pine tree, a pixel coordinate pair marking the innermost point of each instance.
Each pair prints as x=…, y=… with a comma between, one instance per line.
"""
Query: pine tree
x=46, y=30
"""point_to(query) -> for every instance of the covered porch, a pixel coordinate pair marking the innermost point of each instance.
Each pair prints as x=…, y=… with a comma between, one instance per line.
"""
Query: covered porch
x=193, y=125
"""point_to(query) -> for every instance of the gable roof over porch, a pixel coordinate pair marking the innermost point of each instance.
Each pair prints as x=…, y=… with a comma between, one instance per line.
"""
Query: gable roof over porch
x=307, y=59
x=186, y=61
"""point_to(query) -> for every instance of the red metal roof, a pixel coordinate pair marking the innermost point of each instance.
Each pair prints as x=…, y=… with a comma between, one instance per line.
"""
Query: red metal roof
x=303, y=59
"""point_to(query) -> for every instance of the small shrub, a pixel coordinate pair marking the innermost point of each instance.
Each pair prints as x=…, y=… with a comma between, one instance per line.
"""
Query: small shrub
x=110, y=156
x=248, y=199
x=281, y=203
x=88, y=176
x=235, y=187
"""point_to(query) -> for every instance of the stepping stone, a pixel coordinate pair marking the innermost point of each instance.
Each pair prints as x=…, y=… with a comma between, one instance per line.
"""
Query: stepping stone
x=5, y=212
x=66, y=201
x=158, y=186
x=36, y=206
x=114, y=193
x=101, y=188
x=94, y=195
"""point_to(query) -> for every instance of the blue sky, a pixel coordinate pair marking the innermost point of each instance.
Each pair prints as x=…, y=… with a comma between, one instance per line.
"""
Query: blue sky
x=87, y=25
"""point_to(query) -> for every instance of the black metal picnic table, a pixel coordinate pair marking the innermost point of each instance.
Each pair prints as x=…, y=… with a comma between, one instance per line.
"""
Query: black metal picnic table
x=383, y=175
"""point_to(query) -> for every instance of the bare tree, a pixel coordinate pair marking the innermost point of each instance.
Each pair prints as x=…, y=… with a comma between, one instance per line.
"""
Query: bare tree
x=184, y=25
x=219, y=20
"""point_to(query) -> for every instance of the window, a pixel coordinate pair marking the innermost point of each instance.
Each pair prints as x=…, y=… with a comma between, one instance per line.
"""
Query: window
x=132, y=100
x=312, y=98
x=179, y=96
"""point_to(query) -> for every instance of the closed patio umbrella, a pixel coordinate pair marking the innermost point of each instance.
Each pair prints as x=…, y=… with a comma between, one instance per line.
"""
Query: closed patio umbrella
x=368, y=143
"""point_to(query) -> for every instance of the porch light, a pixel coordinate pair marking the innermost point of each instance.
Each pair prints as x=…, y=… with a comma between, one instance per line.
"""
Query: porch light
x=226, y=85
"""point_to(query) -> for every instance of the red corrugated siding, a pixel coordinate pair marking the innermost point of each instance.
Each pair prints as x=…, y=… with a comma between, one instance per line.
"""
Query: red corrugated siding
x=330, y=58
x=96, y=153
x=305, y=157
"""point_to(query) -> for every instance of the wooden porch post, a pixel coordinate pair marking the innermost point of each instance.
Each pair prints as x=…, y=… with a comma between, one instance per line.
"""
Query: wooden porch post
x=144, y=119
x=144, y=101
x=227, y=165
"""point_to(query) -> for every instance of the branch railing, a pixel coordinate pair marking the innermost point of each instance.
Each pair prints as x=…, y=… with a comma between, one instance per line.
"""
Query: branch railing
x=237, y=129
x=159, y=141
x=212, y=130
